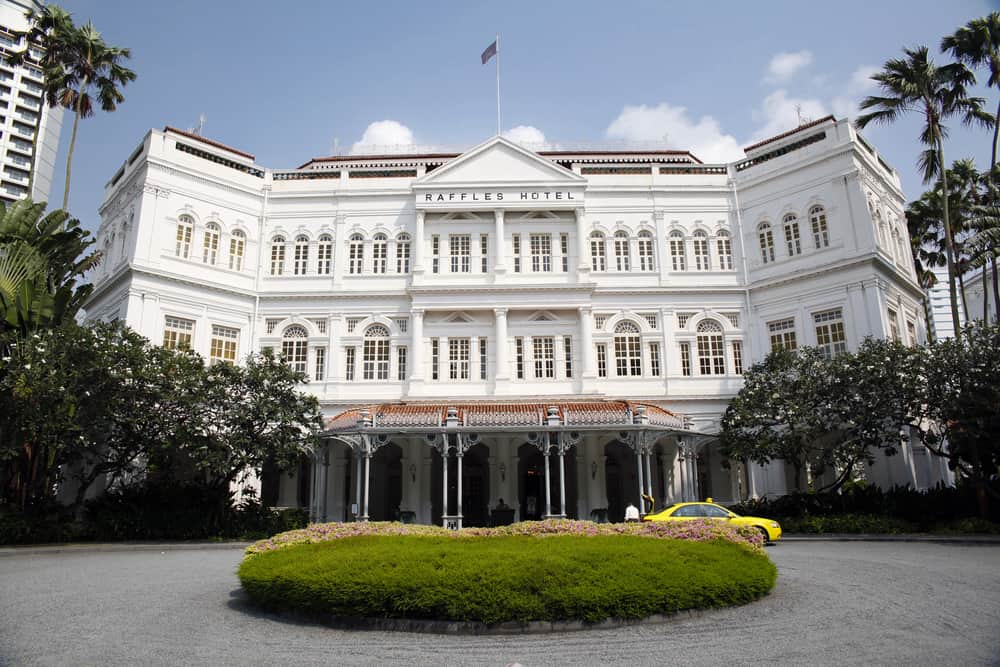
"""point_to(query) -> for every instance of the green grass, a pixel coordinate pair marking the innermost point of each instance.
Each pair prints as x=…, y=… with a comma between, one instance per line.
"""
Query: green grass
x=499, y=579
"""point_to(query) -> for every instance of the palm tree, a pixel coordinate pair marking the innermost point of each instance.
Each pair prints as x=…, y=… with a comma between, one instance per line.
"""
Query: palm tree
x=977, y=44
x=917, y=84
x=984, y=247
x=85, y=64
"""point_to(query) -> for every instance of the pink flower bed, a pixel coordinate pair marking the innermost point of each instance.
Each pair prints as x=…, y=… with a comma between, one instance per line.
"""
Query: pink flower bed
x=699, y=530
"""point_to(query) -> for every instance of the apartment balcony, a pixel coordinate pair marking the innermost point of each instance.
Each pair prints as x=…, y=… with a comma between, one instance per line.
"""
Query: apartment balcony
x=13, y=190
x=24, y=130
x=19, y=146
x=19, y=160
x=29, y=102
x=15, y=175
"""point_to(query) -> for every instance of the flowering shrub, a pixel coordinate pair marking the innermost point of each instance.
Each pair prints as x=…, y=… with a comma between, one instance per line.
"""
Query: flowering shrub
x=696, y=530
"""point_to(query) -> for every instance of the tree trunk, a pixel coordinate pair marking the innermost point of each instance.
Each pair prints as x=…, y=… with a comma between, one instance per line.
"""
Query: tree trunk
x=961, y=290
x=72, y=143
x=949, y=240
x=996, y=288
x=994, y=201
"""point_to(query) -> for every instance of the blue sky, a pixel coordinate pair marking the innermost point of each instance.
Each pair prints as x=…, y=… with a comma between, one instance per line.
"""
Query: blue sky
x=284, y=80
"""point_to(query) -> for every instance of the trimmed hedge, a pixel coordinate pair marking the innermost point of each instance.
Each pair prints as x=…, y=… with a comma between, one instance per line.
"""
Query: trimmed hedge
x=506, y=578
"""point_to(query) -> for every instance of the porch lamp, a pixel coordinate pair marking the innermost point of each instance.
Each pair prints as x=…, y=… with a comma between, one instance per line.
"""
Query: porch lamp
x=593, y=470
x=503, y=472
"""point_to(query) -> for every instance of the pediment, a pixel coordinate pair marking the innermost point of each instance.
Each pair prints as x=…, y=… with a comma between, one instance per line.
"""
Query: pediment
x=500, y=161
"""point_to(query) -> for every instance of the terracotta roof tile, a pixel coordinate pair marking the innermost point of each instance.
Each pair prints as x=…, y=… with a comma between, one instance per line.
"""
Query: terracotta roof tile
x=203, y=140
x=789, y=133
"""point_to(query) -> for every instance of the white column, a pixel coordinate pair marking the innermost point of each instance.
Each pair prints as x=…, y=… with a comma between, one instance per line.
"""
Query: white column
x=503, y=363
x=562, y=483
x=642, y=482
x=587, y=342
x=499, y=245
x=416, y=346
x=649, y=477
x=444, y=482
x=458, y=497
x=582, y=245
x=474, y=361
x=443, y=359
x=357, y=484
x=418, y=244
x=548, y=482
x=368, y=459
x=559, y=360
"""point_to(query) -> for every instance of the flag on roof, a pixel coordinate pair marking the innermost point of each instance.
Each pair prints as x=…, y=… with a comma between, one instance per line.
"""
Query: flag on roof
x=490, y=51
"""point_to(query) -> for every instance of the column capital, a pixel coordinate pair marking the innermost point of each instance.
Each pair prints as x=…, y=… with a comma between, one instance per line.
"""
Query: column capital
x=500, y=312
x=586, y=308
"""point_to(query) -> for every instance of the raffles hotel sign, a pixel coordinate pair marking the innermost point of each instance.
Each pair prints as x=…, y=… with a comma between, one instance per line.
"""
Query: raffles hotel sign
x=499, y=197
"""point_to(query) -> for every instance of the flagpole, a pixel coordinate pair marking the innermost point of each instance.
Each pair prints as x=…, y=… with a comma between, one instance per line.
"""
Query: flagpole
x=498, y=84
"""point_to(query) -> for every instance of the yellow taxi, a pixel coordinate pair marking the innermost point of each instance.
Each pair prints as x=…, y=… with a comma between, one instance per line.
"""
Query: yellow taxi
x=771, y=530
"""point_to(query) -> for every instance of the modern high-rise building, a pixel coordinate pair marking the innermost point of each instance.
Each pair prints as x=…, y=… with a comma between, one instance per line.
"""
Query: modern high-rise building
x=29, y=128
x=561, y=330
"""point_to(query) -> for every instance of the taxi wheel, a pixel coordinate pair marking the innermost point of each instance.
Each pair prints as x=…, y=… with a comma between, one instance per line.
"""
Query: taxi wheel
x=767, y=538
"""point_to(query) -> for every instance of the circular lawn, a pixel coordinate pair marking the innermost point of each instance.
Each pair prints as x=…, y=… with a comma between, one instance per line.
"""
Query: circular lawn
x=567, y=571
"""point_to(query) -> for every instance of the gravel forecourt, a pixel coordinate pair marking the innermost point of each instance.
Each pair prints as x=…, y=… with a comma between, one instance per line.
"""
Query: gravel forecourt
x=886, y=603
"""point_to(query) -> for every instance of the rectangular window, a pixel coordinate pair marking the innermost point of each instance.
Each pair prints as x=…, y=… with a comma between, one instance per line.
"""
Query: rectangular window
x=277, y=259
x=295, y=352
x=725, y=252
x=320, y=370
x=737, y=357
x=893, y=324
x=401, y=363
x=830, y=332
x=515, y=242
x=678, y=258
x=459, y=245
x=380, y=254
x=782, y=334
x=236, y=247
x=541, y=253
x=356, y=256
x=645, y=247
x=177, y=333
x=484, y=252
x=324, y=257
x=654, y=359
x=483, y=359
x=375, y=362
x=435, y=253
x=602, y=360
x=435, y=358
x=911, y=332
x=686, y=359
x=349, y=364
x=458, y=358
x=598, y=255
x=711, y=356
x=568, y=355
x=224, y=343
x=564, y=251
x=544, y=355
x=519, y=357
x=402, y=256
x=301, y=258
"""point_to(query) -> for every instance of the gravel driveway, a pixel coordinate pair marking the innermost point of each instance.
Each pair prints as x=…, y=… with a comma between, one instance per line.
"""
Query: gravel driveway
x=835, y=603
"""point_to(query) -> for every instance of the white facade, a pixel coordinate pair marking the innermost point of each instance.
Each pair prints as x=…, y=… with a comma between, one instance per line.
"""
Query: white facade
x=502, y=275
x=29, y=128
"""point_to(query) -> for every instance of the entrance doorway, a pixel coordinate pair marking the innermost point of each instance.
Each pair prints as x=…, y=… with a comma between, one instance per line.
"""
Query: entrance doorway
x=531, y=483
x=475, y=486
x=386, y=483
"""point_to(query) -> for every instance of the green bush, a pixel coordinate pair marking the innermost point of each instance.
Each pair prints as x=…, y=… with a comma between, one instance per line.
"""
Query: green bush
x=511, y=578
x=848, y=523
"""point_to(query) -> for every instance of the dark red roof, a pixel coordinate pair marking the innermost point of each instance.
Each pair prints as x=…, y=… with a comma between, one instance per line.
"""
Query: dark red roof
x=203, y=140
x=449, y=156
x=789, y=133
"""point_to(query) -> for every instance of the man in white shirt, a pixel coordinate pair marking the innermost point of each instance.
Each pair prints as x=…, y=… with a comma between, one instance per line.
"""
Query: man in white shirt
x=631, y=513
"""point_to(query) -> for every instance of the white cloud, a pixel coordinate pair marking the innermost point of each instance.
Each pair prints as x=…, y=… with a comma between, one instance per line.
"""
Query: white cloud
x=861, y=79
x=384, y=136
x=779, y=113
x=527, y=135
x=783, y=66
x=672, y=126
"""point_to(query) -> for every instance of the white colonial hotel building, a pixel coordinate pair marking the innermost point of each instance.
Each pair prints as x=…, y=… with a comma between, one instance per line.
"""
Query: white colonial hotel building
x=576, y=317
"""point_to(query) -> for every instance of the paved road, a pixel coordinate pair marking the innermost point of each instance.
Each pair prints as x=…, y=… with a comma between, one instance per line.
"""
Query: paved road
x=835, y=603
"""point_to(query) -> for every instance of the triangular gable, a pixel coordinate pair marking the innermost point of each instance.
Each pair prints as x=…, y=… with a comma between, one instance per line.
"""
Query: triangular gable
x=459, y=317
x=542, y=316
x=500, y=160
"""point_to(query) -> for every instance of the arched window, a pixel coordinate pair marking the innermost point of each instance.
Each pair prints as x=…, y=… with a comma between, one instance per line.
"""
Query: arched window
x=621, y=251
x=701, y=259
x=403, y=253
x=645, y=247
x=901, y=236
x=277, y=255
x=380, y=253
x=725, y=247
x=678, y=254
x=711, y=354
x=210, y=244
x=185, y=228
x=376, y=353
x=294, y=347
x=356, y=254
x=237, y=246
x=301, y=263
x=792, y=238
x=324, y=255
x=598, y=258
x=766, y=238
x=628, y=349
x=817, y=217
